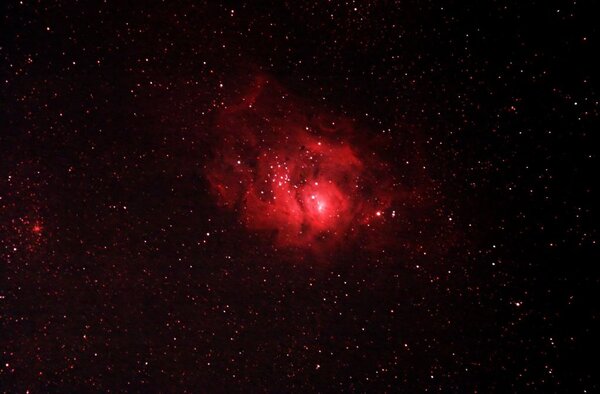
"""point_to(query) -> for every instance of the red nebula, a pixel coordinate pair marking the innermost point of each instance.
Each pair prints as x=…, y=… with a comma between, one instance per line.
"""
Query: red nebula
x=289, y=171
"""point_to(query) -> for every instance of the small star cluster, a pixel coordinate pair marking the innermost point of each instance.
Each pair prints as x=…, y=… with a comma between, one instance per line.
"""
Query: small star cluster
x=299, y=196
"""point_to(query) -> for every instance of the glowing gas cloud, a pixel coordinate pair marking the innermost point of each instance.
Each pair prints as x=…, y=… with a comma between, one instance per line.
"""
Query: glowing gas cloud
x=296, y=175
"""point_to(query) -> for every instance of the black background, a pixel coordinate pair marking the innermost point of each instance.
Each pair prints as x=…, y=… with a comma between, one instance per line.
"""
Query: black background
x=106, y=127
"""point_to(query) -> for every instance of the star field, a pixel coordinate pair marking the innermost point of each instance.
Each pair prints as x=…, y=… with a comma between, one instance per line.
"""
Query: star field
x=299, y=196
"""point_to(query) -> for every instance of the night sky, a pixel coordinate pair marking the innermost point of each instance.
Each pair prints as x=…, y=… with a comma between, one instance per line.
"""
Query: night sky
x=299, y=196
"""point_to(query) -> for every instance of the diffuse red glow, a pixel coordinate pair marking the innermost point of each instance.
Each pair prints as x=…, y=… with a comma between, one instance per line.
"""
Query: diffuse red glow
x=294, y=173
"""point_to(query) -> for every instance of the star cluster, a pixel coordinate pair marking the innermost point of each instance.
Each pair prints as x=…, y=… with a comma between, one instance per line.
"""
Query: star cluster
x=288, y=170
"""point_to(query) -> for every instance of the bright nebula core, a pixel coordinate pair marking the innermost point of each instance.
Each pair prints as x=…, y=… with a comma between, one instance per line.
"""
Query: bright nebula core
x=308, y=178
